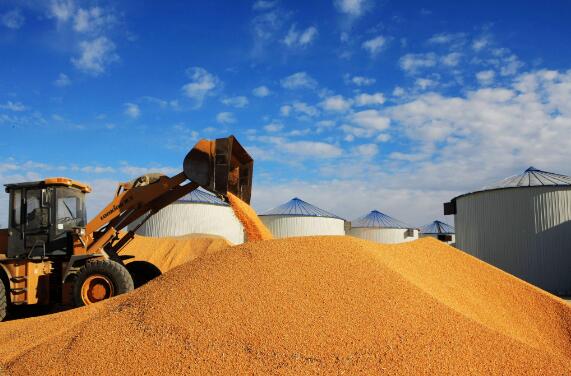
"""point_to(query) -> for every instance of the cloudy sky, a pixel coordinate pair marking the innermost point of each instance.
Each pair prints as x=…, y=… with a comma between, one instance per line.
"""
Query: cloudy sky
x=351, y=105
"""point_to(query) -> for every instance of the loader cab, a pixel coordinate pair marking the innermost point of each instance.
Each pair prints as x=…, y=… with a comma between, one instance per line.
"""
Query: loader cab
x=41, y=215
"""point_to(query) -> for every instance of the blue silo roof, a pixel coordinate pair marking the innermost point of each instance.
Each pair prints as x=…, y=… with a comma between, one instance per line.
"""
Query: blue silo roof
x=532, y=177
x=376, y=219
x=437, y=227
x=202, y=197
x=298, y=207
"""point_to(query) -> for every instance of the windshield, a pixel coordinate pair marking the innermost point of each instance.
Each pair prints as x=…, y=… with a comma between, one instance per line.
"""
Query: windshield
x=70, y=209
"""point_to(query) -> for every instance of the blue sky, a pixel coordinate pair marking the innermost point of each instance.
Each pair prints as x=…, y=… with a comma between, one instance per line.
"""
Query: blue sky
x=352, y=105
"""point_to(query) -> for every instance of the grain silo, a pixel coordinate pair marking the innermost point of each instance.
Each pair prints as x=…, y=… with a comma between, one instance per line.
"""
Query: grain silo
x=381, y=228
x=521, y=225
x=199, y=212
x=299, y=218
x=439, y=230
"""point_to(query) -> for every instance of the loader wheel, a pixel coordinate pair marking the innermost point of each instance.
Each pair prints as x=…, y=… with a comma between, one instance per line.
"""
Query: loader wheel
x=3, y=301
x=100, y=279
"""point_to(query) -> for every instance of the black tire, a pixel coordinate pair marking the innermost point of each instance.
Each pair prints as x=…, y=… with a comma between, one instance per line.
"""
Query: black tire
x=3, y=301
x=109, y=276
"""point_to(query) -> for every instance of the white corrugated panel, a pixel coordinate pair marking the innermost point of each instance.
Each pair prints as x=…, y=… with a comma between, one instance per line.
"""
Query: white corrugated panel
x=184, y=218
x=283, y=226
x=384, y=235
x=524, y=231
x=435, y=236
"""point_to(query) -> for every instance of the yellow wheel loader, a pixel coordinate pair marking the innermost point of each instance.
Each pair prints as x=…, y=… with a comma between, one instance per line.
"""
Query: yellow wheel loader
x=50, y=254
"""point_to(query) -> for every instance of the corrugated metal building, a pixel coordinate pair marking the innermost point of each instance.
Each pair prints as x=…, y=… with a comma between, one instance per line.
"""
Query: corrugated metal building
x=439, y=230
x=381, y=228
x=521, y=225
x=299, y=218
x=199, y=212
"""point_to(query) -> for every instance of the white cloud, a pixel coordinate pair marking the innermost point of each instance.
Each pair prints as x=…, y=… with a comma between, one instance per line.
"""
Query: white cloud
x=411, y=63
x=92, y=20
x=425, y=83
x=202, y=84
x=132, y=110
x=315, y=149
x=285, y=110
x=486, y=77
x=359, y=80
x=95, y=56
x=261, y=91
x=375, y=45
x=295, y=38
x=446, y=38
x=13, y=106
x=300, y=108
x=264, y=5
x=238, y=101
x=367, y=150
x=62, y=10
x=369, y=99
x=299, y=80
x=273, y=127
x=480, y=43
x=62, y=80
x=398, y=91
x=225, y=118
x=353, y=8
x=452, y=59
x=371, y=119
x=12, y=19
x=336, y=103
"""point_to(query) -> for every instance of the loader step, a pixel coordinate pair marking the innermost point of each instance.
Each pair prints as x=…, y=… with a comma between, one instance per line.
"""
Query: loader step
x=19, y=278
x=18, y=291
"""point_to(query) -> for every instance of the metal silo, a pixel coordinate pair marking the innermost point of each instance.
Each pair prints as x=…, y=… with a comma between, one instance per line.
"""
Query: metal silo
x=299, y=218
x=439, y=230
x=198, y=212
x=381, y=228
x=521, y=225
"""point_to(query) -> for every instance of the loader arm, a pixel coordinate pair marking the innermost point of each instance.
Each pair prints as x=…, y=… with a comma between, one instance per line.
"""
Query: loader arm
x=220, y=166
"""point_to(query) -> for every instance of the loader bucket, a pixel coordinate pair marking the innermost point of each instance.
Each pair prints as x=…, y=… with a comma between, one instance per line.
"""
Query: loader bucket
x=221, y=166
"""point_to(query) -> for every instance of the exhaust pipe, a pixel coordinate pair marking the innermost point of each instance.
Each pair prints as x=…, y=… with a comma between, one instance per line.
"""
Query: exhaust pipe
x=221, y=166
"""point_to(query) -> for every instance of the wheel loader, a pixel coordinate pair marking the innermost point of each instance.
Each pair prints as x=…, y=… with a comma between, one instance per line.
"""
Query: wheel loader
x=50, y=254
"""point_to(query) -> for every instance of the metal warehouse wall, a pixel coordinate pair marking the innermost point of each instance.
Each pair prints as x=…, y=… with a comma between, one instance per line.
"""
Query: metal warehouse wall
x=183, y=218
x=383, y=235
x=524, y=231
x=283, y=226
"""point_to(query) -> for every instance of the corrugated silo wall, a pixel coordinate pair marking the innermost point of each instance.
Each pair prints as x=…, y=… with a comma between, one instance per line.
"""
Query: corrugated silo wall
x=283, y=226
x=383, y=235
x=524, y=231
x=183, y=218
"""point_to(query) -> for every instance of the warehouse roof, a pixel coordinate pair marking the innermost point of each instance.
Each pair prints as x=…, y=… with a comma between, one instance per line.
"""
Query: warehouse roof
x=298, y=207
x=202, y=197
x=437, y=227
x=376, y=219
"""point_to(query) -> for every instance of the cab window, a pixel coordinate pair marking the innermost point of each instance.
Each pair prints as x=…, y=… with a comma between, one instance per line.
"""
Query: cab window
x=70, y=209
x=33, y=209
x=16, y=208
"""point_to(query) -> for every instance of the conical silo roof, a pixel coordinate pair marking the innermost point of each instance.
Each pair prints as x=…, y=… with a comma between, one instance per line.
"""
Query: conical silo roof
x=298, y=207
x=532, y=177
x=376, y=219
x=202, y=197
x=437, y=227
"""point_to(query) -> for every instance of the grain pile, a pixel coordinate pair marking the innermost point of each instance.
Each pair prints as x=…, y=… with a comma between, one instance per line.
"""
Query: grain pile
x=254, y=228
x=169, y=252
x=308, y=305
